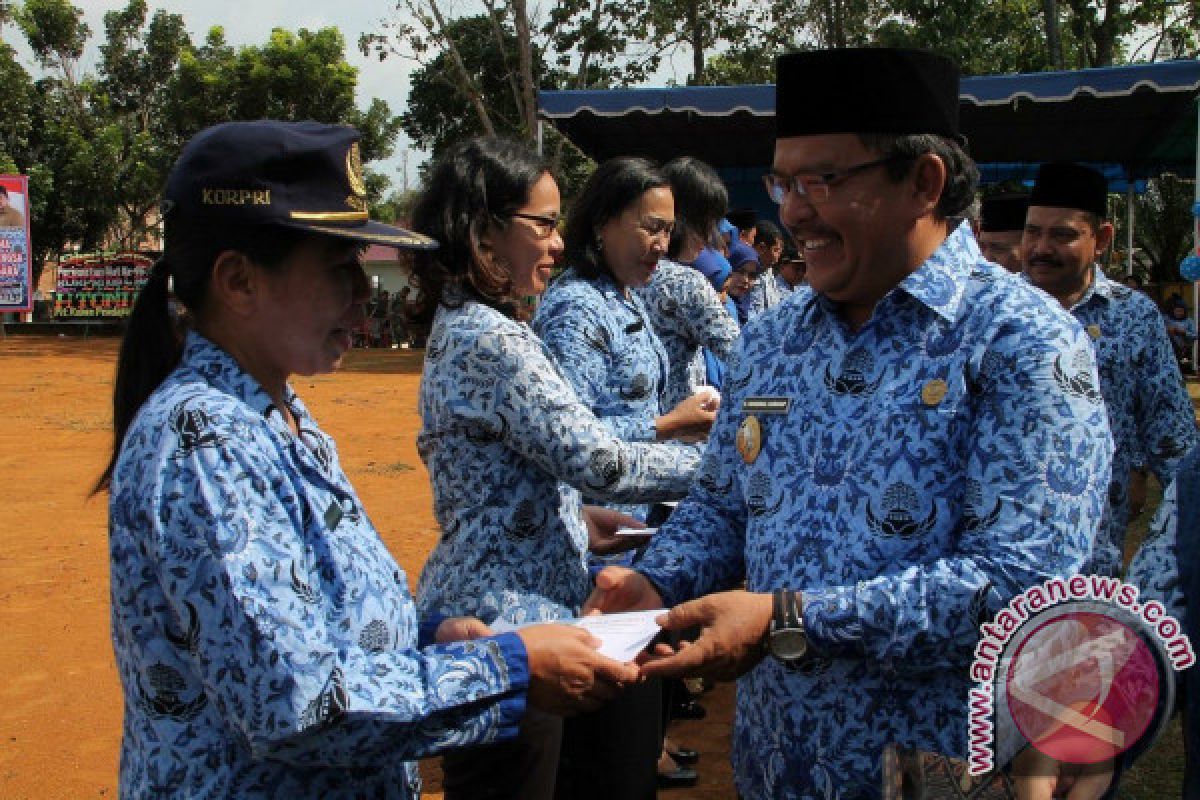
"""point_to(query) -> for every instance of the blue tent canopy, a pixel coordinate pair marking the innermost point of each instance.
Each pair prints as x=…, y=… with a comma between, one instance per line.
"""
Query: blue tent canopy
x=1135, y=121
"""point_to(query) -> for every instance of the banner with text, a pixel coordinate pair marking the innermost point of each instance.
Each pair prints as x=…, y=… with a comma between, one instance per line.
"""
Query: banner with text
x=100, y=285
x=16, y=269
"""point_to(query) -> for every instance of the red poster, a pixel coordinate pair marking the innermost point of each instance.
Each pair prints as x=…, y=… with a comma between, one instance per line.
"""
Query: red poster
x=16, y=268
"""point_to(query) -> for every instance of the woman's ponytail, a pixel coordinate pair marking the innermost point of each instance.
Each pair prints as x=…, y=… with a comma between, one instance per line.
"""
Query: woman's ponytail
x=150, y=349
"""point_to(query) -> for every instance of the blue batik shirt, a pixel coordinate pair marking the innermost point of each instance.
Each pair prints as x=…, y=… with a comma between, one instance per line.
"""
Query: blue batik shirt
x=1151, y=415
x=769, y=291
x=688, y=316
x=1154, y=569
x=508, y=446
x=910, y=477
x=265, y=638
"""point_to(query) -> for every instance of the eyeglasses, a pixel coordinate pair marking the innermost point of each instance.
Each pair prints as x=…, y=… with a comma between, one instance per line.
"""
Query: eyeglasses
x=815, y=187
x=543, y=227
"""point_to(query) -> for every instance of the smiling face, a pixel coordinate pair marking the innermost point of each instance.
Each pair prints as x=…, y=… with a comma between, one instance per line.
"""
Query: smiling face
x=1059, y=249
x=857, y=242
x=308, y=309
x=530, y=247
x=637, y=238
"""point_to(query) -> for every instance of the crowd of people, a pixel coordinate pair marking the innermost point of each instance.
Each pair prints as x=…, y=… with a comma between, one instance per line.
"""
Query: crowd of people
x=858, y=433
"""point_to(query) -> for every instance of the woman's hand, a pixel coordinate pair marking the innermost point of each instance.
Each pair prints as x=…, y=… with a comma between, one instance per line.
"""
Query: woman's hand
x=566, y=673
x=602, y=526
x=691, y=419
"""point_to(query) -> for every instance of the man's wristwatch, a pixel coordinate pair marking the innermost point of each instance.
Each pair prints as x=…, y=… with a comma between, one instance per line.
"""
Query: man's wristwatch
x=786, y=639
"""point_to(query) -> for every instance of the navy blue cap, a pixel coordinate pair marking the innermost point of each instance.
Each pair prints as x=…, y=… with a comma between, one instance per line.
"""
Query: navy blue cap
x=741, y=254
x=302, y=175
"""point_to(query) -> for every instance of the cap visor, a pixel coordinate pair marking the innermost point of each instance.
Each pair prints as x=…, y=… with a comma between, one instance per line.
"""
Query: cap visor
x=372, y=233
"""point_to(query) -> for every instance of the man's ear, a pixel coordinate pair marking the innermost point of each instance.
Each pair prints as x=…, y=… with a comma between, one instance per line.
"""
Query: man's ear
x=1104, y=237
x=236, y=283
x=929, y=181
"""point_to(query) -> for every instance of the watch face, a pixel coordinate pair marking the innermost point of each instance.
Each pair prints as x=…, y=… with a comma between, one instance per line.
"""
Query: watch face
x=788, y=644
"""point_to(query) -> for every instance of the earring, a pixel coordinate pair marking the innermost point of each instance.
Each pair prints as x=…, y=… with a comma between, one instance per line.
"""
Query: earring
x=170, y=284
x=599, y=243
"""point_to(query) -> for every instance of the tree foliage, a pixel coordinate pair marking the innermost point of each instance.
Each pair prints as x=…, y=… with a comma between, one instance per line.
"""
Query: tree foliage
x=97, y=147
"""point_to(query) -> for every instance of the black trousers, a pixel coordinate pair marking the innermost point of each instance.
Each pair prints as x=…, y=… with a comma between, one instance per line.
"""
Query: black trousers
x=609, y=754
x=523, y=767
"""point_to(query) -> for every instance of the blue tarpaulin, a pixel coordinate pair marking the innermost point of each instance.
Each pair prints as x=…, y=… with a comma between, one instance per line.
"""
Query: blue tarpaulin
x=1134, y=121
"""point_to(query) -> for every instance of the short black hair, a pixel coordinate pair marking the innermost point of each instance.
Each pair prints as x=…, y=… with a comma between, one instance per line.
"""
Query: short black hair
x=613, y=187
x=962, y=176
x=4, y=190
x=767, y=233
x=700, y=199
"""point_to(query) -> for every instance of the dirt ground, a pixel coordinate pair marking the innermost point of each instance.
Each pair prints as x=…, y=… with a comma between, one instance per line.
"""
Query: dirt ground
x=60, y=700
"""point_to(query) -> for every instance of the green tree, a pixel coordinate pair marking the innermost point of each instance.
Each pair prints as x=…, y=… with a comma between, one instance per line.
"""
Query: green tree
x=1163, y=224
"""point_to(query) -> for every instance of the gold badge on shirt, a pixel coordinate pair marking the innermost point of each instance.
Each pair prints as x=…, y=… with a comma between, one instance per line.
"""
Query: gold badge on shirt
x=749, y=439
x=1094, y=331
x=934, y=392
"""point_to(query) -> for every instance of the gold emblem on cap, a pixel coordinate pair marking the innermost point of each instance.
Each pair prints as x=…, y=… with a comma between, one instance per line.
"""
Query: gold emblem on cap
x=934, y=392
x=749, y=439
x=1093, y=331
x=354, y=171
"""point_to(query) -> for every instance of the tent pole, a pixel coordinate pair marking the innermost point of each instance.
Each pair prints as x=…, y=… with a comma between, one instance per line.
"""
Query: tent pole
x=1129, y=213
x=540, y=123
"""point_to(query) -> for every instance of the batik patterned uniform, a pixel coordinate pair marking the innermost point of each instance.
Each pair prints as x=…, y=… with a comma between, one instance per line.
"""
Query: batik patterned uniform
x=265, y=638
x=949, y=454
x=688, y=315
x=1154, y=569
x=769, y=291
x=1148, y=405
x=508, y=446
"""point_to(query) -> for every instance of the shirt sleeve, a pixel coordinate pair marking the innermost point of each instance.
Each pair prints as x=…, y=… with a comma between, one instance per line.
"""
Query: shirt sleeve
x=1039, y=447
x=1165, y=417
x=581, y=344
x=758, y=297
x=539, y=416
x=229, y=538
x=1155, y=567
x=701, y=548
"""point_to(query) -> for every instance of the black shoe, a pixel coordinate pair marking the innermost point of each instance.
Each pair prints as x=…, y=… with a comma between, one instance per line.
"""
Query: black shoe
x=684, y=755
x=688, y=709
x=680, y=778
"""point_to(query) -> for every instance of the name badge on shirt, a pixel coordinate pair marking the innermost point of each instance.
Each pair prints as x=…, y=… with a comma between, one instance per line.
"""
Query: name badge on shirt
x=766, y=405
x=333, y=515
x=1094, y=331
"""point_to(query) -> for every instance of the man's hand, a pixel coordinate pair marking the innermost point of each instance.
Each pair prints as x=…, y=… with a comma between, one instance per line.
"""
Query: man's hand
x=1039, y=777
x=732, y=627
x=602, y=525
x=460, y=629
x=566, y=673
x=621, y=589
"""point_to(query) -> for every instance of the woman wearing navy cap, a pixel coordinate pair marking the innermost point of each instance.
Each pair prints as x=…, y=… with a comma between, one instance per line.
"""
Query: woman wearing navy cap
x=508, y=444
x=265, y=638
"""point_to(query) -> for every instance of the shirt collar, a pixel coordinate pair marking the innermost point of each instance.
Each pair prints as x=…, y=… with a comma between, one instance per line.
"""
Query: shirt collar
x=940, y=282
x=222, y=371
x=1101, y=287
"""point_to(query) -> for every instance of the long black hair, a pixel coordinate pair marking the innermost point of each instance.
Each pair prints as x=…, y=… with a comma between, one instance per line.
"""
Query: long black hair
x=477, y=183
x=153, y=339
x=613, y=187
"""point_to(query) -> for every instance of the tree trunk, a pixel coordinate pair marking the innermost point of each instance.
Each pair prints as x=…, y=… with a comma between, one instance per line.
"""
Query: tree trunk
x=1053, y=33
x=696, y=39
x=466, y=84
x=528, y=103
